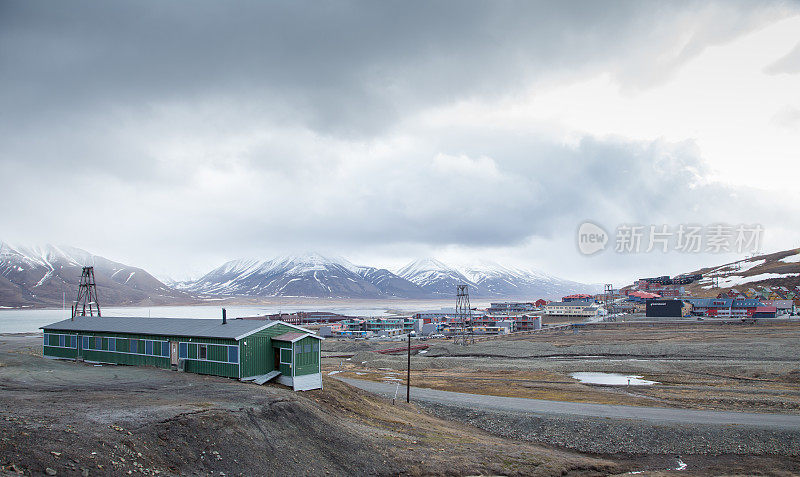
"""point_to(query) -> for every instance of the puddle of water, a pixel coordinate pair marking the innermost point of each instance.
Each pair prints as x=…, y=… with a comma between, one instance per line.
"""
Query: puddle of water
x=681, y=466
x=612, y=379
x=423, y=351
x=391, y=378
x=333, y=372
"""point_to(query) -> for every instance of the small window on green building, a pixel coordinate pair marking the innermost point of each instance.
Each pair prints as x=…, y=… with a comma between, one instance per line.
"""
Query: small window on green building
x=286, y=356
x=203, y=352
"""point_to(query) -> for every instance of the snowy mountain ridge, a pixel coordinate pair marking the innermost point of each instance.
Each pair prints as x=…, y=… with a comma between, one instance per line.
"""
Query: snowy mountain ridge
x=316, y=275
x=43, y=275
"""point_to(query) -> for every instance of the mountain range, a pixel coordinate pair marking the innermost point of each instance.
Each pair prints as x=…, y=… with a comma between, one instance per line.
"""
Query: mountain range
x=45, y=275
x=42, y=276
x=314, y=275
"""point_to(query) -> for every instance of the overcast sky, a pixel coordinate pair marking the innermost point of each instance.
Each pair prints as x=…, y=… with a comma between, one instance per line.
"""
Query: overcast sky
x=178, y=135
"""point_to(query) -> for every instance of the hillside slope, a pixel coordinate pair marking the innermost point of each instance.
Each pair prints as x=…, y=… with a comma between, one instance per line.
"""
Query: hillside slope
x=44, y=275
x=774, y=269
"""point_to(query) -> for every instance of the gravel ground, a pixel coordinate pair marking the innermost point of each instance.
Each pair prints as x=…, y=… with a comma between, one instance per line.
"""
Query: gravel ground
x=605, y=436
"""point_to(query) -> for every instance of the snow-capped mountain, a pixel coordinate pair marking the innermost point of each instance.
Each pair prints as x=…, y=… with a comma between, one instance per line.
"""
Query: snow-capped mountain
x=390, y=284
x=495, y=280
x=490, y=280
x=42, y=275
x=302, y=275
x=436, y=277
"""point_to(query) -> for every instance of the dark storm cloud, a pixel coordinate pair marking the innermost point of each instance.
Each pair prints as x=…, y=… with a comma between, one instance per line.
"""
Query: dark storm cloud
x=339, y=67
x=229, y=128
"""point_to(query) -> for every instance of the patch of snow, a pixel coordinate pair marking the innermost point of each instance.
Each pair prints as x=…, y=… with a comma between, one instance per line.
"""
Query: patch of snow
x=791, y=259
x=735, y=280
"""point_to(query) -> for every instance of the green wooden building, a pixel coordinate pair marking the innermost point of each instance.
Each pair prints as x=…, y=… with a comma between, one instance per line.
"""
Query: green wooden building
x=243, y=349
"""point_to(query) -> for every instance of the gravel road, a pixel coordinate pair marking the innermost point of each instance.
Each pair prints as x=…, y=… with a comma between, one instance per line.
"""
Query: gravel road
x=612, y=429
x=650, y=414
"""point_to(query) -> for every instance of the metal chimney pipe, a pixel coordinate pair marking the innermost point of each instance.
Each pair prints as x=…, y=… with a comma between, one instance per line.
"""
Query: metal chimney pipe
x=224, y=316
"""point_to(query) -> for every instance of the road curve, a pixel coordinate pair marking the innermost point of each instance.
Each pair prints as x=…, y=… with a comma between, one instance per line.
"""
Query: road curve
x=608, y=411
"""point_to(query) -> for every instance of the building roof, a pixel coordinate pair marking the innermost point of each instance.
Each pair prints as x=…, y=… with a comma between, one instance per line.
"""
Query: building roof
x=291, y=337
x=200, y=328
x=569, y=303
x=642, y=294
x=766, y=309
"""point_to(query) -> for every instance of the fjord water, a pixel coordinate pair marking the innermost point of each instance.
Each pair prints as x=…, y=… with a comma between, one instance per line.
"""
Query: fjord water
x=29, y=321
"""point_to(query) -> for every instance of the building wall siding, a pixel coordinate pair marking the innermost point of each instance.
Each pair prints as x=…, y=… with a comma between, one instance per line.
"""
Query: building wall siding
x=122, y=354
x=258, y=351
x=306, y=362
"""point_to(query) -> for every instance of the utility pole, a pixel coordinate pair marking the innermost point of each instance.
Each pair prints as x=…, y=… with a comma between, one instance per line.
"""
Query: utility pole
x=408, y=370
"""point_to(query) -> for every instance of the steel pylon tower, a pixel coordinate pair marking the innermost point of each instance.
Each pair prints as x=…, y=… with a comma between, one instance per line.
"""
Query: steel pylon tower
x=87, y=295
x=464, y=334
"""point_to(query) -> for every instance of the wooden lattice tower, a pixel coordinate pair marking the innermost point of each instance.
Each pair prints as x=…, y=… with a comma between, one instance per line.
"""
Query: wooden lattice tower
x=464, y=333
x=87, y=295
x=609, y=298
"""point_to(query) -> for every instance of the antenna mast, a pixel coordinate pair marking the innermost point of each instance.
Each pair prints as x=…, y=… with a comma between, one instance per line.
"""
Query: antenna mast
x=87, y=295
x=464, y=333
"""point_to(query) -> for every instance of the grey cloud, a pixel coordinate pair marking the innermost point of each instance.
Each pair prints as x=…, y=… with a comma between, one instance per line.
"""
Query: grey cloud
x=227, y=129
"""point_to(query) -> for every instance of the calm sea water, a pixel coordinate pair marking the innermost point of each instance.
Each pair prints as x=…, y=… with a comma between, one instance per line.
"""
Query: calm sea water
x=29, y=321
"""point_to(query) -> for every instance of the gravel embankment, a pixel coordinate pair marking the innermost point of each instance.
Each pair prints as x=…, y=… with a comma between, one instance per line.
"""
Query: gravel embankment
x=604, y=436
